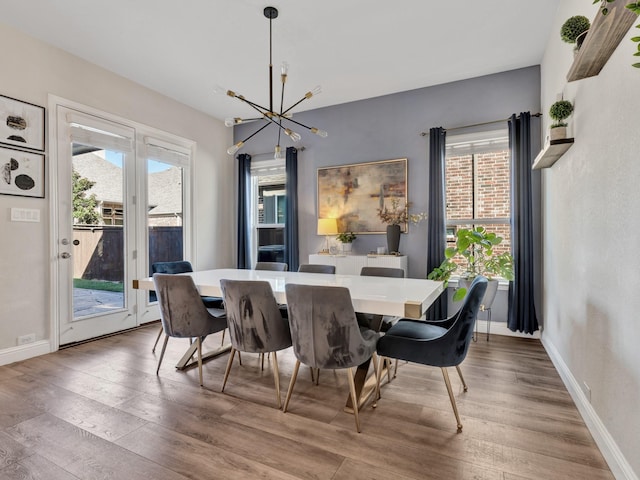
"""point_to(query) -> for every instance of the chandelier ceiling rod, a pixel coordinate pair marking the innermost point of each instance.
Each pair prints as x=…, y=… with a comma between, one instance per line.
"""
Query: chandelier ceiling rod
x=270, y=116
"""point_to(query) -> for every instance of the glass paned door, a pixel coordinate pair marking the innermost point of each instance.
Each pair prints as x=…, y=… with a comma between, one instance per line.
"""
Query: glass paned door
x=95, y=215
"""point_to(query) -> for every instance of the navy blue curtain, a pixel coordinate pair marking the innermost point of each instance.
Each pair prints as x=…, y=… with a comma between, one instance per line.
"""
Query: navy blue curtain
x=244, y=211
x=291, y=218
x=437, y=240
x=522, y=311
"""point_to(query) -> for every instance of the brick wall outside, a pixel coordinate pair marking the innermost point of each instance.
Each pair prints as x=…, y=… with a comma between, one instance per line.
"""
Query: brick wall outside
x=492, y=191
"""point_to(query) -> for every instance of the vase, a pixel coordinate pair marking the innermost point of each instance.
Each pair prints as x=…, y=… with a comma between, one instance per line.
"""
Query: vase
x=393, y=239
x=346, y=247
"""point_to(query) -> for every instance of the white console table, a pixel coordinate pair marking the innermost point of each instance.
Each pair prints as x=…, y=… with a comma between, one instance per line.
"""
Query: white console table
x=352, y=264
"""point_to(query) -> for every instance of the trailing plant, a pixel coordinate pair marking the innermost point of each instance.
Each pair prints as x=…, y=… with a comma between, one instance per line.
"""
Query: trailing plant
x=559, y=111
x=635, y=8
x=346, y=237
x=574, y=27
x=476, y=246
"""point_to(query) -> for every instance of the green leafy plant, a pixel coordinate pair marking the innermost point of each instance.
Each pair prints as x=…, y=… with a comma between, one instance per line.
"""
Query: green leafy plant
x=573, y=27
x=559, y=111
x=476, y=246
x=635, y=8
x=346, y=237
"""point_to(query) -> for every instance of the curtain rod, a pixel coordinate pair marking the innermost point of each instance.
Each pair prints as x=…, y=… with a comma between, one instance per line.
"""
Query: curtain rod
x=423, y=134
x=300, y=149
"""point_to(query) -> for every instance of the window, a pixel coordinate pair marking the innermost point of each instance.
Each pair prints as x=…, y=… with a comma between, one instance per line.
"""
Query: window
x=268, y=199
x=478, y=186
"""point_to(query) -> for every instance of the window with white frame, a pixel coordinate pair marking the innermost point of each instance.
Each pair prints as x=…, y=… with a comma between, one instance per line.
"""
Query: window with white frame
x=478, y=189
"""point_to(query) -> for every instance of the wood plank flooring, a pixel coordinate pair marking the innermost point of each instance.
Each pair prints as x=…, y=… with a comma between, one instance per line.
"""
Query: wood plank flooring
x=98, y=411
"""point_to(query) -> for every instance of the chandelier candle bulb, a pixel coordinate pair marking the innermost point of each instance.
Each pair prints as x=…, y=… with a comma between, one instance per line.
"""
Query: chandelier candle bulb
x=234, y=148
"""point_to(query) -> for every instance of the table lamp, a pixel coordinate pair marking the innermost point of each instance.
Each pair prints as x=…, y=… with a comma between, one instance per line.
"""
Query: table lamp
x=327, y=226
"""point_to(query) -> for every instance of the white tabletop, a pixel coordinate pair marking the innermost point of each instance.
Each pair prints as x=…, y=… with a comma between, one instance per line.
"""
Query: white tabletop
x=407, y=297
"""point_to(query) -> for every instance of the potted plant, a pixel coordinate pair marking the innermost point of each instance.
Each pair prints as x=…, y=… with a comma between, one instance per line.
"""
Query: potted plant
x=346, y=238
x=574, y=30
x=635, y=8
x=394, y=217
x=559, y=111
x=476, y=247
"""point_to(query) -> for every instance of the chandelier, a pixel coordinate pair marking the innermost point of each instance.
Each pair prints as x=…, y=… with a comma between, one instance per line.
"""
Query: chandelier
x=282, y=118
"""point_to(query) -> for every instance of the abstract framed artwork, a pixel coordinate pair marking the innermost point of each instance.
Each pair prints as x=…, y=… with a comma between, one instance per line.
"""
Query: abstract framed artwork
x=21, y=124
x=354, y=193
x=22, y=173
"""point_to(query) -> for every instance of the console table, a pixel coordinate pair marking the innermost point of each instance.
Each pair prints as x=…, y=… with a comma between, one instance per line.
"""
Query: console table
x=352, y=264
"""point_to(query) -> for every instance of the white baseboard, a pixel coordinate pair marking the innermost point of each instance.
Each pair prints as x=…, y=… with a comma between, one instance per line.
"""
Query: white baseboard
x=615, y=459
x=23, y=352
x=500, y=328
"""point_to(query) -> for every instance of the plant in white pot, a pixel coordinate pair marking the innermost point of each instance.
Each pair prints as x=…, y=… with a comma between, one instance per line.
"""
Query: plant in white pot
x=476, y=247
x=346, y=238
x=559, y=111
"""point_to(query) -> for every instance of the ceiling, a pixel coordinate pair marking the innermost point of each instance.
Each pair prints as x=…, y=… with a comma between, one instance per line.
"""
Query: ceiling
x=354, y=49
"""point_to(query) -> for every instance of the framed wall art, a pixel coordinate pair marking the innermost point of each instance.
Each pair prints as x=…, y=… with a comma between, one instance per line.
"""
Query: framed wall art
x=21, y=124
x=353, y=193
x=21, y=173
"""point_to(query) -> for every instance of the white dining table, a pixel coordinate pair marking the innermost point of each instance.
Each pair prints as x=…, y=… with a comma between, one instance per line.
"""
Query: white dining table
x=402, y=297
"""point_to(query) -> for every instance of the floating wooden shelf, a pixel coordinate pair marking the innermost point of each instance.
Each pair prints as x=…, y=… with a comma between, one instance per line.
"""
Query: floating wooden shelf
x=606, y=32
x=551, y=153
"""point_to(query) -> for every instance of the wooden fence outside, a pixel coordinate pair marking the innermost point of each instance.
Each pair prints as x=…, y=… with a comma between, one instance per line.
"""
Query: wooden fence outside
x=100, y=253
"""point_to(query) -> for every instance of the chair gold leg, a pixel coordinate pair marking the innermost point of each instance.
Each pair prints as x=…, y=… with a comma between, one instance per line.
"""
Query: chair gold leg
x=276, y=379
x=354, y=398
x=464, y=384
x=451, y=397
x=395, y=369
x=164, y=347
x=317, y=376
x=153, y=350
x=199, y=340
x=262, y=361
x=291, y=384
x=228, y=369
x=312, y=371
x=239, y=359
x=222, y=341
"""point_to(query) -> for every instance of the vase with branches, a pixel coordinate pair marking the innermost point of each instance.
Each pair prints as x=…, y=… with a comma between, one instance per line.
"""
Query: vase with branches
x=395, y=216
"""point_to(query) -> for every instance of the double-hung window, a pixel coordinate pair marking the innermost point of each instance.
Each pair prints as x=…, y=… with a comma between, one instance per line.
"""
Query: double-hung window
x=478, y=186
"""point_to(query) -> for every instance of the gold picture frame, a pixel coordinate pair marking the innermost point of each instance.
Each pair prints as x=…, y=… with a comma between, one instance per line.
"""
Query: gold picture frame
x=353, y=193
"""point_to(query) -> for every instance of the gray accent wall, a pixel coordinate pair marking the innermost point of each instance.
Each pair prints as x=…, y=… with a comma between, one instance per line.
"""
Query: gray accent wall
x=389, y=127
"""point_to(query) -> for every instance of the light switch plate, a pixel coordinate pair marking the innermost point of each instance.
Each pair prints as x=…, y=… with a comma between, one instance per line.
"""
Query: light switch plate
x=25, y=215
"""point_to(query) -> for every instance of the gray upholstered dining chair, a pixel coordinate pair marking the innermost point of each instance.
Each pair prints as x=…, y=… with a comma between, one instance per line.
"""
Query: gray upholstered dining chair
x=326, y=334
x=317, y=268
x=175, y=267
x=183, y=314
x=274, y=266
x=255, y=323
x=438, y=343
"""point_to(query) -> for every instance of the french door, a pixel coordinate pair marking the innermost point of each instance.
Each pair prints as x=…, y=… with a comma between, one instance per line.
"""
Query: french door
x=121, y=193
x=96, y=226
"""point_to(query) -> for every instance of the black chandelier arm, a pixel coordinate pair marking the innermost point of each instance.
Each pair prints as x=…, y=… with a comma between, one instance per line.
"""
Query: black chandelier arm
x=307, y=96
x=294, y=121
x=256, y=132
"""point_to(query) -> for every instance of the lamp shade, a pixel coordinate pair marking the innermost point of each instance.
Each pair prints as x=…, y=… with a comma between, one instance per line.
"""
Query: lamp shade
x=327, y=226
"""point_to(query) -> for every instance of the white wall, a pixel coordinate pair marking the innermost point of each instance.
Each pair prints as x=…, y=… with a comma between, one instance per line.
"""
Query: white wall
x=591, y=199
x=30, y=71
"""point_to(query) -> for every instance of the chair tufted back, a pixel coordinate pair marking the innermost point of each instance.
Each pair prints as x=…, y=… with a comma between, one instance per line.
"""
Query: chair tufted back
x=255, y=322
x=181, y=309
x=324, y=328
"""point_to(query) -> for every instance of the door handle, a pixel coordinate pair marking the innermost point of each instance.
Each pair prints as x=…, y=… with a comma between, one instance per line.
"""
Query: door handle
x=65, y=255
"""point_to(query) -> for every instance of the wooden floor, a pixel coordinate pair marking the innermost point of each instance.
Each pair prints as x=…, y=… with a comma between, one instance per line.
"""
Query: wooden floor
x=98, y=411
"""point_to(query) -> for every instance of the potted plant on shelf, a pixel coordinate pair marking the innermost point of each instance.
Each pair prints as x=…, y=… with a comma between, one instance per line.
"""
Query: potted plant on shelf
x=476, y=247
x=346, y=238
x=559, y=111
x=394, y=217
x=574, y=30
x=635, y=8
